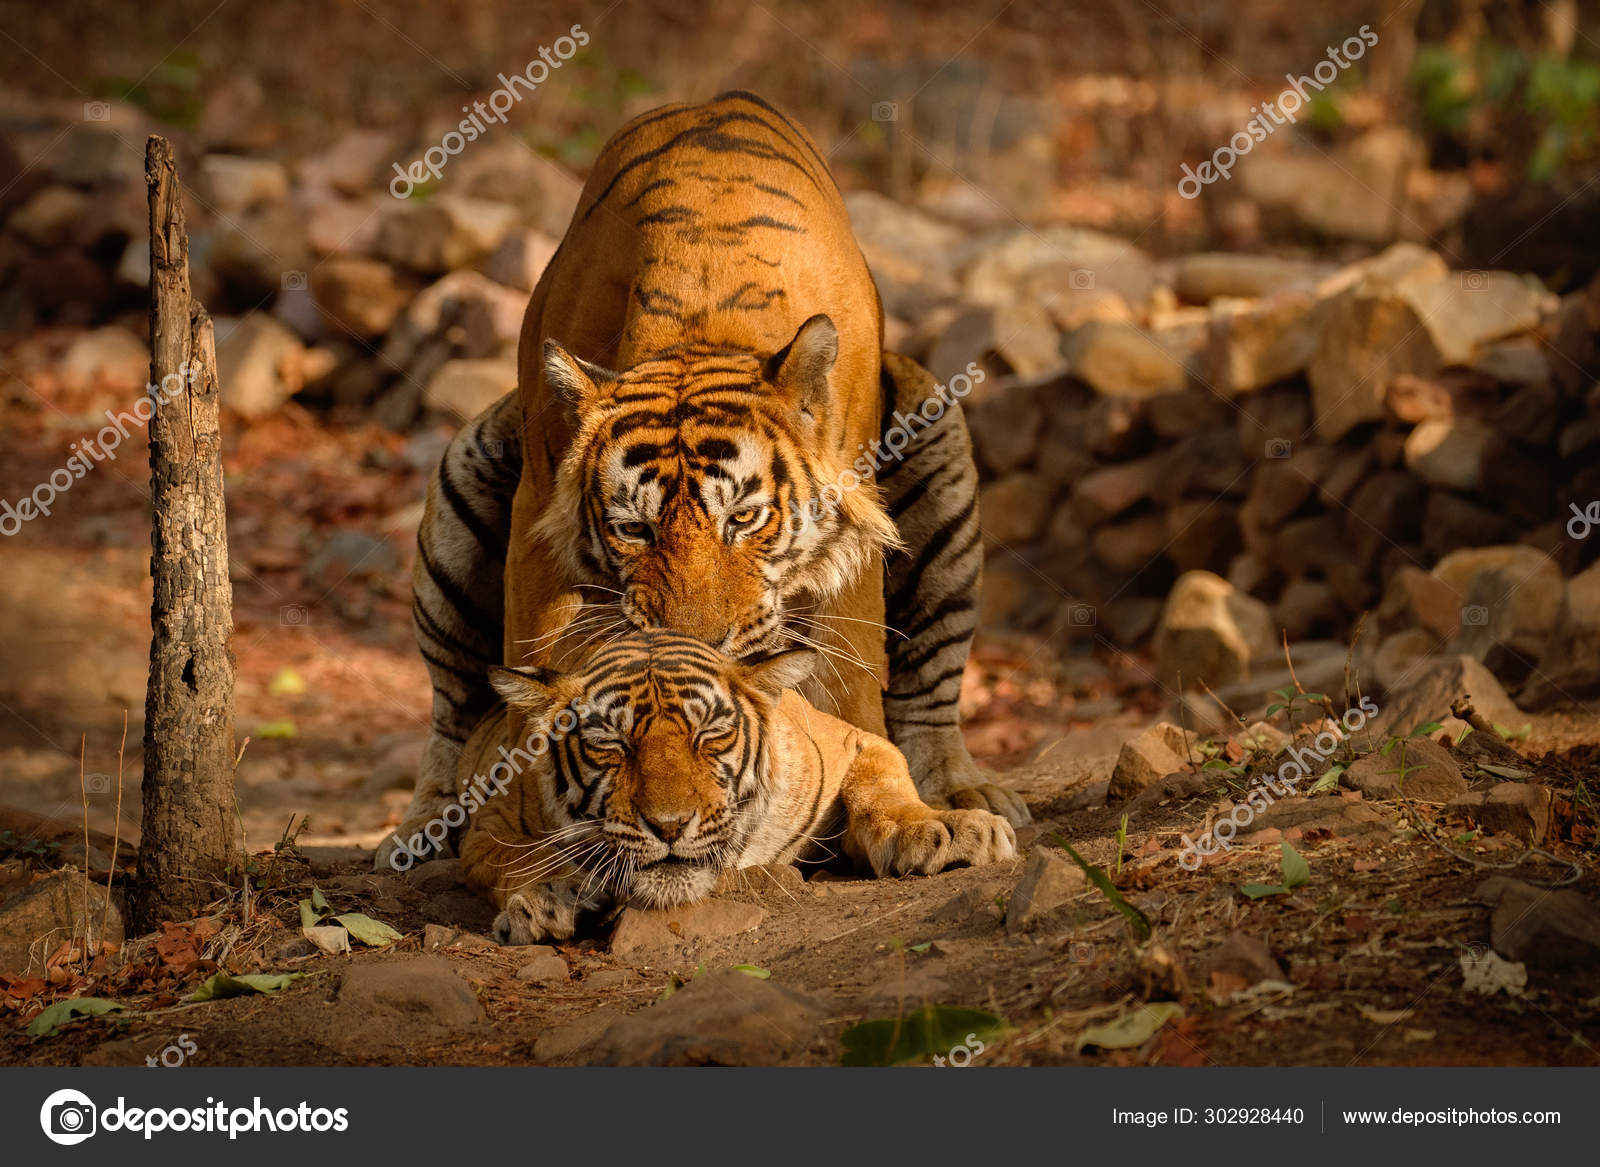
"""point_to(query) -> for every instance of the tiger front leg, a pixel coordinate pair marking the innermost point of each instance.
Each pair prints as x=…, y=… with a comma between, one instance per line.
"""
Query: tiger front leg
x=892, y=830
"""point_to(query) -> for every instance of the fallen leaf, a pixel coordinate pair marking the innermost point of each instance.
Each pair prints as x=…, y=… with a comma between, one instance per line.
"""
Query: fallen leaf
x=367, y=930
x=53, y=1017
x=1131, y=1029
x=929, y=1032
x=223, y=985
x=329, y=940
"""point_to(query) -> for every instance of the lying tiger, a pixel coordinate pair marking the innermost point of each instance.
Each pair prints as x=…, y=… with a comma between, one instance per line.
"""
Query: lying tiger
x=663, y=764
x=708, y=437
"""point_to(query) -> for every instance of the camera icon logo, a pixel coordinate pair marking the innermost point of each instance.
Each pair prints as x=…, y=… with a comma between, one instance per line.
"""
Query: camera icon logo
x=294, y=281
x=1080, y=952
x=1080, y=279
x=1474, y=281
x=1279, y=448
x=293, y=616
x=492, y=448
x=96, y=111
x=1475, y=616
x=1081, y=615
x=68, y=1117
x=886, y=111
x=97, y=783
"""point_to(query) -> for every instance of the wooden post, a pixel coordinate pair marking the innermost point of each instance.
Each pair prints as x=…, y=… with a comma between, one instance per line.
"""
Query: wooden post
x=189, y=824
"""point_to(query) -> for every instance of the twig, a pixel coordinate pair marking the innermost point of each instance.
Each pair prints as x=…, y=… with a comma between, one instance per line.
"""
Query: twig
x=83, y=792
x=1224, y=704
x=1350, y=656
x=1327, y=704
x=1462, y=707
x=116, y=826
x=1183, y=724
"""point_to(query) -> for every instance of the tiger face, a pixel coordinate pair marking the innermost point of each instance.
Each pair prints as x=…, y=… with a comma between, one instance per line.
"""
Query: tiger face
x=695, y=490
x=666, y=773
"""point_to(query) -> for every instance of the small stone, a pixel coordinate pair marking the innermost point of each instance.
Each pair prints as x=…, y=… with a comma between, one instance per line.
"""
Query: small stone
x=109, y=358
x=1239, y=962
x=415, y=990
x=1415, y=399
x=1541, y=926
x=639, y=928
x=1252, y=344
x=1519, y=809
x=720, y=1018
x=1147, y=759
x=1110, y=490
x=1416, y=598
x=545, y=969
x=1048, y=882
x=608, y=979
x=1207, y=276
x=1367, y=339
x=977, y=905
x=1431, y=773
x=437, y=936
x=1015, y=510
x=1456, y=453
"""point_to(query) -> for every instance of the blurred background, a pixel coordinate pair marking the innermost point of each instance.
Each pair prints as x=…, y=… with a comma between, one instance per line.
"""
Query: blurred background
x=1348, y=388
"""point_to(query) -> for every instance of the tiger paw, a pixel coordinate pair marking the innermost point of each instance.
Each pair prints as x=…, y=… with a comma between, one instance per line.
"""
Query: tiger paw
x=541, y=914
x=923, y=841
x=987, y=796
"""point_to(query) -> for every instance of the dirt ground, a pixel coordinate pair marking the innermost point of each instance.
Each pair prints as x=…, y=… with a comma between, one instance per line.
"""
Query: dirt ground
x=1365, y=963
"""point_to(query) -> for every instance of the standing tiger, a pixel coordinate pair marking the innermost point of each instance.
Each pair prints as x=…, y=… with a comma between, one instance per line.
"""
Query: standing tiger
x=661, y=764
x=701, y=378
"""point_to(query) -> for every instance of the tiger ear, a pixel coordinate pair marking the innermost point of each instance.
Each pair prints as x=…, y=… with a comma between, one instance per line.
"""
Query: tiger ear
x=573, y=379
x=528, y=687
x=784, y=670
x=800, y=369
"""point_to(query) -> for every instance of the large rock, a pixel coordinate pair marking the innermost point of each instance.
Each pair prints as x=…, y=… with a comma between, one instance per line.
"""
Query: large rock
x=1147, y=759
x=1210, y=631
x=1464, y=310
x=720, y=1018
x=1253, y=344
x=1430, y=774
x=236, y=184
x=260, y=365
x=520, y=259
x=1367, y=338
x=464, y=315
x=464, y=389
x=1569, y=668
x=1457, y=453
x=1212, y=275
x=1129, y=547
x=1424, y=694
x=1124, y=360
x=1553, y=928
x=444, y=233
x=1511, y=600
x=363, y=297
x=1415, y=598
x=1001, y=268
x=1015, y=510
x=37, y=917
x=1048, y=883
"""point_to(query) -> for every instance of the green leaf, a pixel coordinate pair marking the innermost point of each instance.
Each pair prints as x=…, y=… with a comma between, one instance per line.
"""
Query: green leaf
x=308, y=915
x=753, y=970
x=1319, y=698
x=1136, y=918
x=1275, y=707
x=1287, y=692
x=320, y=901
x=282, y=728
x=1426, y=727
x=50, y=1022
x=932, y=1031
x=1131, y=1029
x=923, y=947
x=1296, y=871
x=1389, y=745
x=367, y=930
x=223, y=985
x=1256, y=890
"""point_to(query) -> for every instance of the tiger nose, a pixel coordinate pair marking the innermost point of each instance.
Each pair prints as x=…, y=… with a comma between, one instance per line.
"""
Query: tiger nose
x=667, y=826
